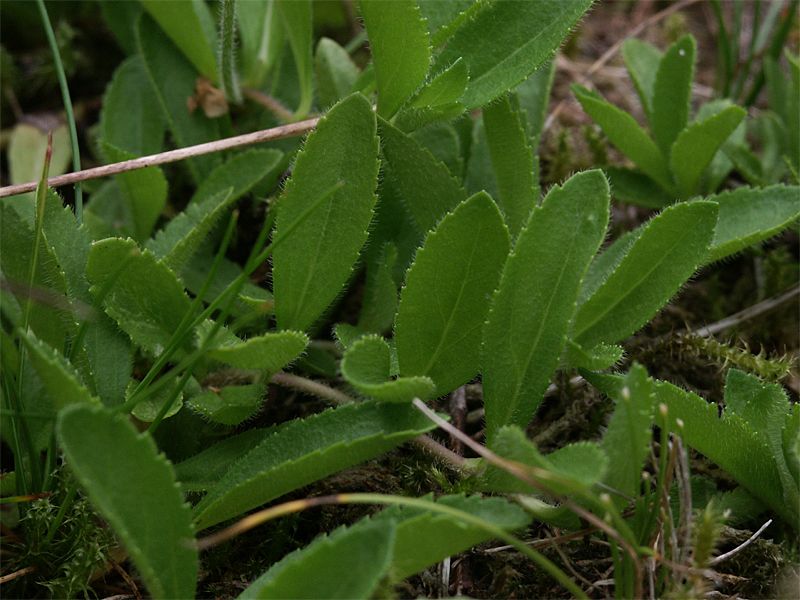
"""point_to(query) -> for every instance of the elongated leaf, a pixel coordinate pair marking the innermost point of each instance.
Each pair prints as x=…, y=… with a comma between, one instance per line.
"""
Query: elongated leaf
x=379, y=304
x=626, y=442
x=229, y=405
x=445, y=298
x=426, y=186
x=696, y=146
x=301, y=452
x=334, y=178
x=269, y=352
x=534, y=98
x=59, y=378
x=642, y=60
x=625, y=133
x=748, y=216
x=672, y=92
x=147, y=300
x=190, y=26
x=661, y=260
x=504, y=42
x=634, y=187
x=598, y=358
x=605, y=263
x=335, y=72
x=424, y=538
x=173, y=80
x=349, y=563
x=134, y=488
x=131, y=119
x=367, y=367
x=262, y=36
x=531, y=311
x=296, y=17
x=444, y=88
x=241, y=173
x=148, y=409
x=512, y=159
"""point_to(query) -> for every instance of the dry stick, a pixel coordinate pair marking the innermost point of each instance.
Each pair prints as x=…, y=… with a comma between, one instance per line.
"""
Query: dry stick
x=609, y=54
x=256, y=137
x=15, y=574
x=325, y=392
x=740, y=547
x=748, y=313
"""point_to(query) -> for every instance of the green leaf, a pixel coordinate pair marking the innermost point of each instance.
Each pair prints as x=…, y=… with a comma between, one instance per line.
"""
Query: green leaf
x=444, y=88
x=444, y=143
x=262, y=39
x=504, y=42
x=26, y=150
x=445, y=298
x=177, y=242
x=329, y=198
x=672, y=93
x=664, y=256
x=625, y=133
x=148, y=409
x=241, y=173
x=173, y=80
x=147, y=300
x=379, y=303
x=532, y=309
x=642, y=60
x=697, y=145
x=59, y=378
x=748, y=216
x=626, y=442
x=512, y=159
x=335, y=72
x=134, y=488
x=534, y=97
x=367, y=367
x=269, y=352
x=131, y=119
x=297, y=23
x=191, y=28
x=425, y=184
x=634, y=187
x=229, y=405
x=348, y=564
x=605, y=263
x=440, y=17
x=303, y=451
x=598, y=358
x=401, y=50
x=205, y=469
x=424, y=538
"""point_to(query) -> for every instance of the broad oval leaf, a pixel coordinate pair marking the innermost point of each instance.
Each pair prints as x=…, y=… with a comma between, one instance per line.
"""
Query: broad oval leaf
x=534, y=304
x=748, y=216
x=504, y=42
x=445, y=298
x=146, y=298
x=367, y=367
x=328, y=207
x=302, y=451
x=134, y=488
x=697, y=145
x=348, y=564
x=401, y=50
x=269, y=352
x=664, y=256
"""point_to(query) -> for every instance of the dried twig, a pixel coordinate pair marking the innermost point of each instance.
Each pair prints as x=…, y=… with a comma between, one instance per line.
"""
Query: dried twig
x=740, y=547
x=256, y=137
x=748, y=313
x=16, y=574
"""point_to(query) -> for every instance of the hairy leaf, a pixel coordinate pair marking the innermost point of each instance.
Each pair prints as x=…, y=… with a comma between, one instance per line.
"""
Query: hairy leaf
x=531, y=311
x=748, y=216
x=146, y=299
x=229, y=405
x=444, y=88
x=190, y=26
x=134, y=488
x=131, y=119
x=335, y=72
x=426, y=186
x=672, y=92
x=302, y=451
x=504, y=42
x=348, y=564
x=625, y=133
x=332, y=190
x=664, y=256
x=367, y=367
x=696, y=146
x=634, y=187
x=642, y=60
x=379, y=303
x=401, y=50
x=512, y=160
x=296, y=16
x=269, y=352
x=445, y=298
